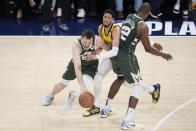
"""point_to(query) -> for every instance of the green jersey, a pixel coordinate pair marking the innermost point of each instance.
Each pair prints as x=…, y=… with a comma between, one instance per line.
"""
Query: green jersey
x=125, y=63
x=129, y=36
x=87, y=67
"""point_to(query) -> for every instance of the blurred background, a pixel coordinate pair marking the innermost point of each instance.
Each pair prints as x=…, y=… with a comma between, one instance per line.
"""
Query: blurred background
x=70, y=17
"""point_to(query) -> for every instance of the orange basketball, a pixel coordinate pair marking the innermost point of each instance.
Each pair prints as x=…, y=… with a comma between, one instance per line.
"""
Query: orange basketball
x=86, y=99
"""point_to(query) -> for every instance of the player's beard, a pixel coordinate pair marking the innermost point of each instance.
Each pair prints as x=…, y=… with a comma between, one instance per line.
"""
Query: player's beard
x=108, y=25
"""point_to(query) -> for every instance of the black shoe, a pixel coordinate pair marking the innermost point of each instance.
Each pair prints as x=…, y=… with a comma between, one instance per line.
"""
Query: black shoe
x=93, y=110
x=156, y=93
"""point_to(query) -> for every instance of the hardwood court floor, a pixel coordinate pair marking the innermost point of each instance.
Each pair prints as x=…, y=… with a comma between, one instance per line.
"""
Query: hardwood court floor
x=30, y=66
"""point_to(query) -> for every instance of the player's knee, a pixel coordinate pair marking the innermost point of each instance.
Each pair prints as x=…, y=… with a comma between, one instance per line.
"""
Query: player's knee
x=88, y=81
x=98, y=77
x=58, y=87
x=136, y=90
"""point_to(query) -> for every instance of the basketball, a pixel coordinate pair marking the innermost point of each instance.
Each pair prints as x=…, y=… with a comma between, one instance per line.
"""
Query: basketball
x=86, y=99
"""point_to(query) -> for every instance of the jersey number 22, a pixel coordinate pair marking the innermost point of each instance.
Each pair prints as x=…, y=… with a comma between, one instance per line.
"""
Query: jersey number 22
x=125, y=30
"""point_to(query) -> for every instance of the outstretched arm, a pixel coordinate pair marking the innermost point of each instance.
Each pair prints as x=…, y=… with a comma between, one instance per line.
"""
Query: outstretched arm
x=143, y=32
x=76, y=50
x=115, y=46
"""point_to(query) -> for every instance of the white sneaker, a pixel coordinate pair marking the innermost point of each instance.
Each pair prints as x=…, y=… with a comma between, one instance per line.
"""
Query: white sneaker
x=70, y=100
x=47, y=100
x=130, y=124
x=176, y=9
x=105, y=112
x=185, y=14
x=81, y=13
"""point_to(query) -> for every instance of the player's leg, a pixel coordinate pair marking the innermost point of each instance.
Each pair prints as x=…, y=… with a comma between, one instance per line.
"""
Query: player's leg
x=106, y=110
x=103, y=69
x=153, y=90
x=132, y=76
x=56, y=89
x=88, y=81
x=66, y=78
x=128, y=121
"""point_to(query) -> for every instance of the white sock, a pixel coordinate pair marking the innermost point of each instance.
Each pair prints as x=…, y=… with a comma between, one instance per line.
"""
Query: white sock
x=147, y=87
x=129, y=114
x=97, y=103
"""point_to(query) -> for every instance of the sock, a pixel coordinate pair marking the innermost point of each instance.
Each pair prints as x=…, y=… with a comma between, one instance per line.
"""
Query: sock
x=96, y=103
x=129, y=114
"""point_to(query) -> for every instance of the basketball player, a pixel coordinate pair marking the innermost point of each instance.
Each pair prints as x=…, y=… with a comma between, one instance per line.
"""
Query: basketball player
x=109, y=35
x=78, y=67
x=125, y=64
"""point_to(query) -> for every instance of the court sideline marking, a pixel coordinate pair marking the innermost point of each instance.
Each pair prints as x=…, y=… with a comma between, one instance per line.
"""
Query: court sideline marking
x=171, y=113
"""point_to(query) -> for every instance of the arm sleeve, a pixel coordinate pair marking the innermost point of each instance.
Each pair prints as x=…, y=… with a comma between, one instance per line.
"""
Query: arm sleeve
x=113, y=52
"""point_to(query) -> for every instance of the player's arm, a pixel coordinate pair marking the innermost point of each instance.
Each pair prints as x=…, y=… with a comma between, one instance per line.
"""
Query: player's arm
x=155, y=45
x=115, y=45
x=98, y=44
x=99, y=47
x=76, y=50
x=143, y=32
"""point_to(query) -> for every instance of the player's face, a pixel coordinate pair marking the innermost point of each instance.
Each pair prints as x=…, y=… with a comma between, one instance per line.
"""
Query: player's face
x=107, y=19
x=147, y=15
x=86, y=43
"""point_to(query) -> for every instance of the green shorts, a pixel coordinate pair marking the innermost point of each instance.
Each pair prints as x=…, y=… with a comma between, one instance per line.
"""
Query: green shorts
x=126, y=65
x=88, y=70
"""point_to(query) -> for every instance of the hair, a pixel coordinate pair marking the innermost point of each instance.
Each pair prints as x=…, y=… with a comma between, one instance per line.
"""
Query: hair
x=88, y=33
x=145, y=8
x=111, y=12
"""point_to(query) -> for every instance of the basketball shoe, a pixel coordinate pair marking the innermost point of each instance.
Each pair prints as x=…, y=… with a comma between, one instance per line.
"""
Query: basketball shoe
x=105, y=112
x=156, y=93
x=130, y=124
x=93, y=110
x=47, y=100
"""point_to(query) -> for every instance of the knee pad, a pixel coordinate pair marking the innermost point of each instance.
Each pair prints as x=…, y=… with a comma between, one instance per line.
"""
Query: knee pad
x=136, y=90
x=98, y=78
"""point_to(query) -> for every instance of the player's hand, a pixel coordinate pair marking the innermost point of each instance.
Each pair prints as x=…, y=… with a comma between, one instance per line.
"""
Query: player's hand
x=168, y=57
x=90, y=57
x=157, y=46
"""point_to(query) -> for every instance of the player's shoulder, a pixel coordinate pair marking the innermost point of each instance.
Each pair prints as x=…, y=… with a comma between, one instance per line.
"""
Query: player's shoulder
x=142, y=25
x=76, y=45
x=116, y=27
x=100, y=26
